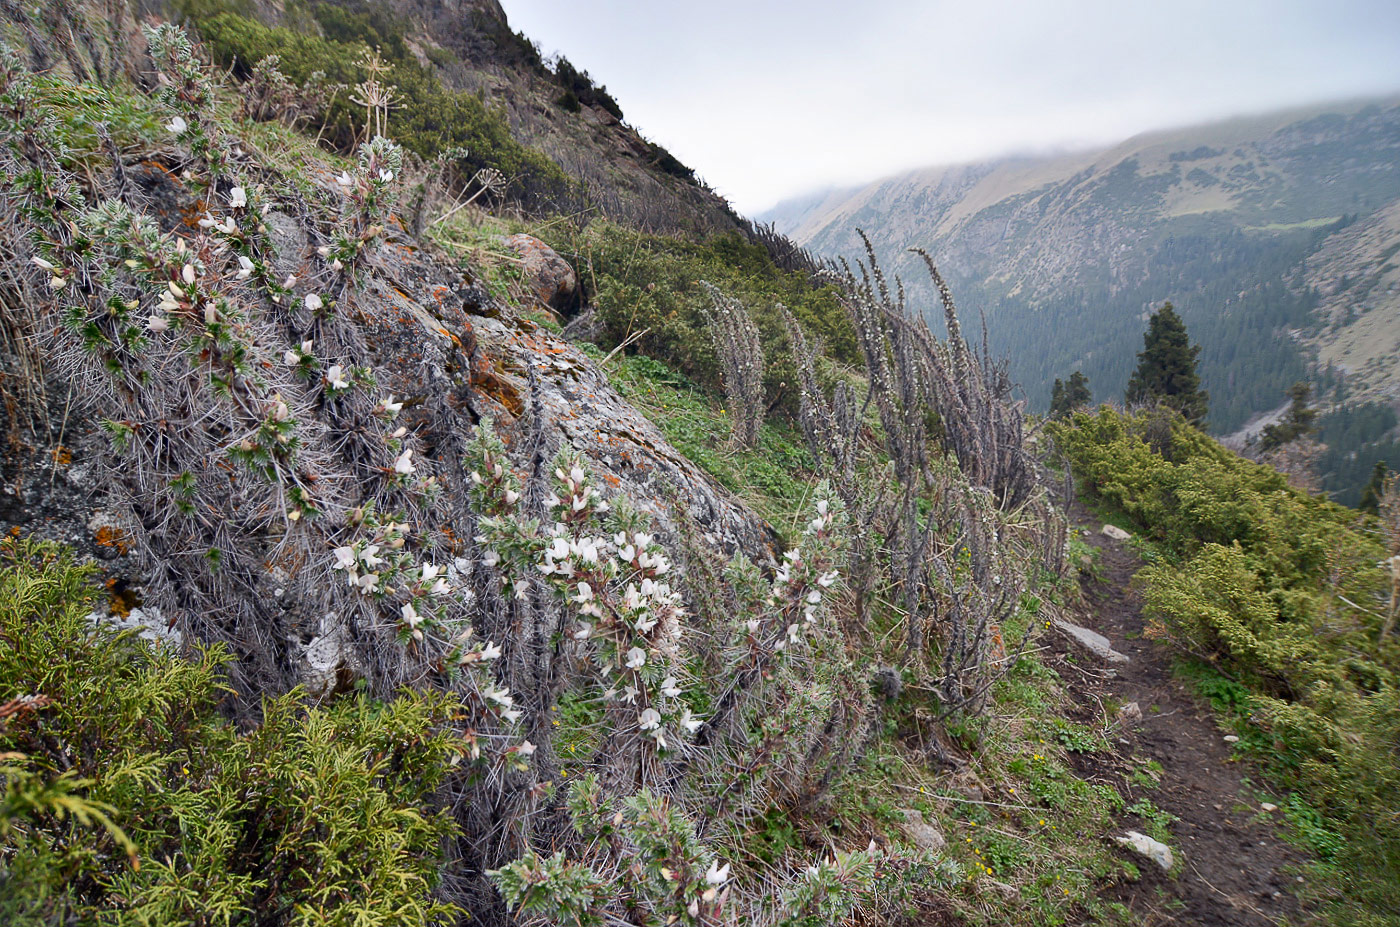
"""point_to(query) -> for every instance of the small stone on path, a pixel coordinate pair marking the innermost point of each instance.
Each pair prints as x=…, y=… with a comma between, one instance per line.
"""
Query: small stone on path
x=1143, y=845
x=1115, y=532
x=1092, y=641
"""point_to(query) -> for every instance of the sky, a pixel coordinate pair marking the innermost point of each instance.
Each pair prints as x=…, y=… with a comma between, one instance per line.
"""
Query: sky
x=767, y=100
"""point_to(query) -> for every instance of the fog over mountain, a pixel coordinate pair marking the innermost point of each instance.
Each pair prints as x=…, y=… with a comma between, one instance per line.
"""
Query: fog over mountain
x=770, y=101
x=1274, y=235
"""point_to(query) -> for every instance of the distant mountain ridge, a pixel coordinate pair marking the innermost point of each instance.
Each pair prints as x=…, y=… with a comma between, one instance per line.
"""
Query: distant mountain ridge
x=1067, y=253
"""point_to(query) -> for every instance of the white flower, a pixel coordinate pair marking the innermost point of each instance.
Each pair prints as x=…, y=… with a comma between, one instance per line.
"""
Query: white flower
x=821, y=506
x=814, y=597
x=491, y=558
x=369, y=556
x=312, y=302
x=291, y=358
x=245, y=267
x=636, y=658
x=44, y=264
x=490, y=651
x=410, y=615
x=717, y=875
x=526, y=748
x=669, y=687
x=585, y=593
x=157, y=323
x=238, y=198
x=177, y=125
x=211, y=313
x=344, y=557
x=390, y=406
x=429, y=571
x=441, y=587
x=512, y=497
x=385, y=175
x=649, y=719
x=345, y=180
x=335, y=377
x=227, y=226
x=499, y=696
x=403, y=465
x=690, y=722
x=827, y=579
x=368, y=583
x=511, y=714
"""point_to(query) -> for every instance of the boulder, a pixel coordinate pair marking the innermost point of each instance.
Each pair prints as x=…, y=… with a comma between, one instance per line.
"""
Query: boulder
x=1115, y=532
x=550, y=278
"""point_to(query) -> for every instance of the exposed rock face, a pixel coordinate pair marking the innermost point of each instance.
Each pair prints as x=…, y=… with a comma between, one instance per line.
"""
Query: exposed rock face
x=549, y=276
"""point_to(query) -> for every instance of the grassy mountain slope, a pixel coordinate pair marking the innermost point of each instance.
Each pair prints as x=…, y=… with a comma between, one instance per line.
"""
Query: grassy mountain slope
x=1066, y=254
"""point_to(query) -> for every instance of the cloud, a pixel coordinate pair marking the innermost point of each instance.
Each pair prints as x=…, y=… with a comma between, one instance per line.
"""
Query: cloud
x=767, y=100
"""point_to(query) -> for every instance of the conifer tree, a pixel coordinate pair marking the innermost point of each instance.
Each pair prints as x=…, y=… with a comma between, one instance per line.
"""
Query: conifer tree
x=1166, y=371
x=1375, y=489
x=1066, y=397
x=1298, y=423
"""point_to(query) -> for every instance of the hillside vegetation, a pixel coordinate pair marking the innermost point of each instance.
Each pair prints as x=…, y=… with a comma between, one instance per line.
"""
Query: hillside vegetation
x=348, y=581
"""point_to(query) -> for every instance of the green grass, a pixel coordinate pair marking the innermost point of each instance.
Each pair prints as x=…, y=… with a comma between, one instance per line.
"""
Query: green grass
x=775, y=478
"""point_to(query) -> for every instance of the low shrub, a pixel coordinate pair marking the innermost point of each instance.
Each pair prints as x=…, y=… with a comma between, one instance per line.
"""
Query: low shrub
x=125, y=794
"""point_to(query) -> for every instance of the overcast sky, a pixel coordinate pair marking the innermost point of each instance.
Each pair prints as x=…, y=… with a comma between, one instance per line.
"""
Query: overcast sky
x=767, y=100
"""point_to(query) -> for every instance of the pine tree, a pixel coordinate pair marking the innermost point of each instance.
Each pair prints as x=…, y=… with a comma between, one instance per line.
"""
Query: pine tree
x=1166, y=371
x=1371, y=495
x=1298, y=423
x=1066, y=397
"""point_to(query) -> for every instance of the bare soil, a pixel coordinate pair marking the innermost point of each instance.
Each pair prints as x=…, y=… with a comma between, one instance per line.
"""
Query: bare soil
x=1233, y=868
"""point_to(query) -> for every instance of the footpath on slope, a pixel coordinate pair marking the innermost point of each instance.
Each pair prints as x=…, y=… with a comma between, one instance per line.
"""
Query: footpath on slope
x=1232, y=866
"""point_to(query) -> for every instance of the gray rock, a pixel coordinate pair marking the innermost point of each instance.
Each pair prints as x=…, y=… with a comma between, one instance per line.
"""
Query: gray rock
x=1092, y=641
x=1130, y=713
x=1143, y=845
x=1115, y=532
x=924, y=835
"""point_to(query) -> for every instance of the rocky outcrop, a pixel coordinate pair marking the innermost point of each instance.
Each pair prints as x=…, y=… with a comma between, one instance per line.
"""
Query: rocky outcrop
x=432, y=337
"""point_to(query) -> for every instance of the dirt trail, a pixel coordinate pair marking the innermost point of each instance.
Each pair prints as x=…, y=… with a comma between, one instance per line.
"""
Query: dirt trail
x=1234, y=868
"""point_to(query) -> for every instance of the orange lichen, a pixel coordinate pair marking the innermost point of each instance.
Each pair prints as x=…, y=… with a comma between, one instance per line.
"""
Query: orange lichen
x=121, y=598
x=112, y=537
